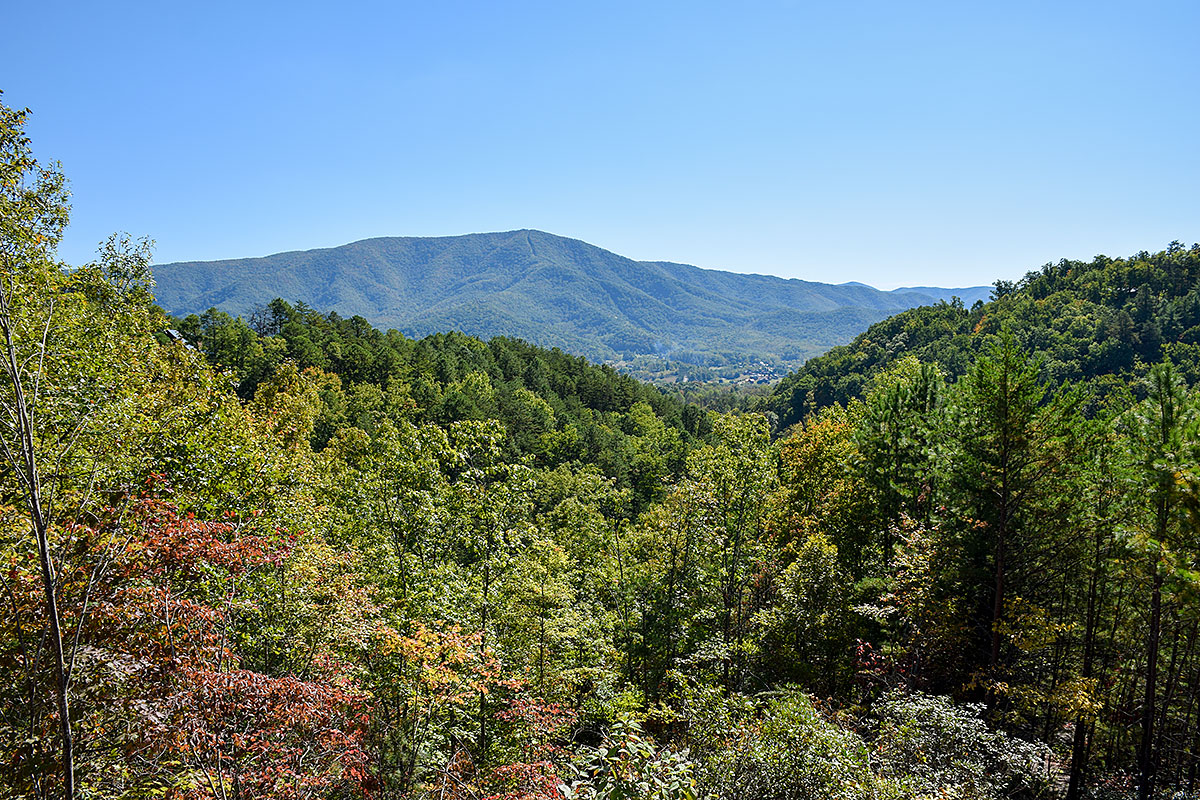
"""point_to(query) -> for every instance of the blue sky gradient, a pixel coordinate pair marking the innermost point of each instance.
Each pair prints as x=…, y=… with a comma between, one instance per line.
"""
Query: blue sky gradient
x=894, y=144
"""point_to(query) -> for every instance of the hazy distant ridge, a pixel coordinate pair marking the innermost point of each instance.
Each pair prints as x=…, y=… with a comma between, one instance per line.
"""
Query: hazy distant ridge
x=549, y=290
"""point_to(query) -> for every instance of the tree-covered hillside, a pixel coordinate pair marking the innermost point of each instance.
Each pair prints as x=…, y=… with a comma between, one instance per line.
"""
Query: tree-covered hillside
x=555, y=292
x=296, y=558
x=1099, y=322
x=555, y=408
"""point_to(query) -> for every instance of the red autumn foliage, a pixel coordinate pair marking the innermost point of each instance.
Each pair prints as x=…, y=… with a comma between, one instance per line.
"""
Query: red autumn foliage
x=162, y=703
x=249, y=735
x=533, y=773
x=542, y=728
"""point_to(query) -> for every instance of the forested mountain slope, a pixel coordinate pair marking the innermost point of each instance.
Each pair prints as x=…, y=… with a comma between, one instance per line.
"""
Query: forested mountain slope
x=1086, y=320
x=551, y=291
x=556, y=408
x=297, y=558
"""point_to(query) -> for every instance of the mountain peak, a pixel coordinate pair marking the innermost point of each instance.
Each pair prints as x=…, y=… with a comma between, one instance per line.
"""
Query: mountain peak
x=547, y=289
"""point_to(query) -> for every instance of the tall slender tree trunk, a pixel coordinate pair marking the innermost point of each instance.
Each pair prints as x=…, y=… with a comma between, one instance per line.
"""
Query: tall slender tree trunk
x=26, y=467
x=997, y=604
x=1174, y=678
x=1080, y=745
x=1004, y=521
x=1146, y=751
x=481, y=758
x=1001, y=555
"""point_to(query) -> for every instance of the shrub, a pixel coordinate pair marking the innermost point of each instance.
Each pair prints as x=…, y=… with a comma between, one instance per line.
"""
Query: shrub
x=628, y=766
x=933, y=748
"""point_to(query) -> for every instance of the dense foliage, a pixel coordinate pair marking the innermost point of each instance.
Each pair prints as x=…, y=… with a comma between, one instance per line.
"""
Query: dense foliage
x=555, y=408
x=302, y=558
x=1100, y=323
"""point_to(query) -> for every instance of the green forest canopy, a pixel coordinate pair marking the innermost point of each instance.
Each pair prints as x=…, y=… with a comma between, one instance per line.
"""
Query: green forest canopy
x=310, y=559
x=1100, y=323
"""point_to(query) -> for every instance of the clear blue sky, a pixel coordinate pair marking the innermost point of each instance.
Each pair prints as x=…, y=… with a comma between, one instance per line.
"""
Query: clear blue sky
x=892, y=143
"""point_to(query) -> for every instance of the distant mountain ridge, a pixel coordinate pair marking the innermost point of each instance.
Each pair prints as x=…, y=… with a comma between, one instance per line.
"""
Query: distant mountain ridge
x=551, y=291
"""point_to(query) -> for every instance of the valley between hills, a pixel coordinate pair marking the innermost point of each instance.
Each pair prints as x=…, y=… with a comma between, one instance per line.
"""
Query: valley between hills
x=657, y=321
x=282, y=549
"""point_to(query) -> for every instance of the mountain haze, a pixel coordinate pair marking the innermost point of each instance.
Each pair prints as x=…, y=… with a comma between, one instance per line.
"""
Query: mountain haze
x=552, y=291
